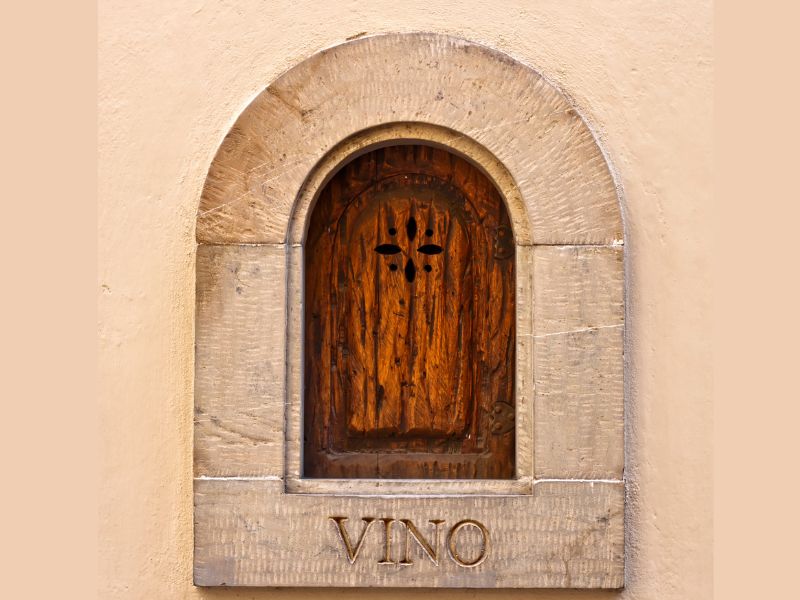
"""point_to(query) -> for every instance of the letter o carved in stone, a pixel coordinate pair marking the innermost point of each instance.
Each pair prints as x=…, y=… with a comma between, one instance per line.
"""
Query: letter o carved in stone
x=452, y=543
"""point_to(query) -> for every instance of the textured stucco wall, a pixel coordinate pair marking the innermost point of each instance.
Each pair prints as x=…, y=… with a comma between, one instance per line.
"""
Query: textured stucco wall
x=173, y=78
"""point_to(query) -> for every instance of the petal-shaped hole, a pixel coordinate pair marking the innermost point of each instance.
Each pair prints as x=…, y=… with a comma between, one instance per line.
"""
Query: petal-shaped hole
x=411, y=270
x=430, y=249
x=411, y=228
x=387, y=249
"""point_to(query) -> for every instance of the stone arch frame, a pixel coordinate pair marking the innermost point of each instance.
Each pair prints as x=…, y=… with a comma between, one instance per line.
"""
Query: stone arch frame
x=564, y=204
x=348, y=149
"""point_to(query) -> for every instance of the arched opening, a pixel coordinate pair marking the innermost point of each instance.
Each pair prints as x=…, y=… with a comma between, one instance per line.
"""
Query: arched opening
x=409, y=321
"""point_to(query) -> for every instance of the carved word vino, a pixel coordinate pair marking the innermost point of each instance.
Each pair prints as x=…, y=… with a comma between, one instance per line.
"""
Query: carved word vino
x=430, y=545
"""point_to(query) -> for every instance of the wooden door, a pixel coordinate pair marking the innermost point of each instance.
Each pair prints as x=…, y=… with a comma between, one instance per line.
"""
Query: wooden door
x=409, y=322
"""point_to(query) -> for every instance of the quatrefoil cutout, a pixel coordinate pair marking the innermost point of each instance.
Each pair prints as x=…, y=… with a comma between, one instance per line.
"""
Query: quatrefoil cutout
x=410, y=269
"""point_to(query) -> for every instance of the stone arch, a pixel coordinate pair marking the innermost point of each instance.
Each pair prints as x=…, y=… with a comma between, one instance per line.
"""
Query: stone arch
x=473, y=101
x=480, y=93
x=399, y=133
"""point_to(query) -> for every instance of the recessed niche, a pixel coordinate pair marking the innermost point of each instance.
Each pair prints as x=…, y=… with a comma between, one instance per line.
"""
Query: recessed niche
x=409, y=321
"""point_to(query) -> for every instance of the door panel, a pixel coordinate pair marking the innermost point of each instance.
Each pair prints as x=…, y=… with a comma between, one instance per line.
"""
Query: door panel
x=407, y=349
x=409, y=358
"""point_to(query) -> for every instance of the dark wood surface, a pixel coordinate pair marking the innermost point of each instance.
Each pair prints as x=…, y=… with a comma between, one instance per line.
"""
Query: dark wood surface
x=409, y=321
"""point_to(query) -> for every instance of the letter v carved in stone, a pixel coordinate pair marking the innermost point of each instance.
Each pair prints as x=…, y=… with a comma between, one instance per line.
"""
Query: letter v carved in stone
x=352, y=553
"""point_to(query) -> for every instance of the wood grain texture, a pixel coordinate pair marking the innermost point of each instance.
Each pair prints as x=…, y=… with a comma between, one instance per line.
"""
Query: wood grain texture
x=410, y=321
x=239, y=360
x=564, y=535
x=578, y=364
x=478, y=92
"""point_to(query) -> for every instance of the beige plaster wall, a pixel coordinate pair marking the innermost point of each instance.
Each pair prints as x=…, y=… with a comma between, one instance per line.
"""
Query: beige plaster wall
x=173, y=78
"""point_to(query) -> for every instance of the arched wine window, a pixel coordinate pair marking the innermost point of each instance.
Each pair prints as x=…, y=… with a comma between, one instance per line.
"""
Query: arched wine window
x=409, y=321
x=332, y=367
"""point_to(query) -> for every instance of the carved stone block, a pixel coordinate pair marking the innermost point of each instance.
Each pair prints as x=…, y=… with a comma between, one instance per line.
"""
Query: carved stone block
x=240, y=335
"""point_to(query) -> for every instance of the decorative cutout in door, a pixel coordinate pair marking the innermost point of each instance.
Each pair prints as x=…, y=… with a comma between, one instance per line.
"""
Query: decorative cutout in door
x=409, y=321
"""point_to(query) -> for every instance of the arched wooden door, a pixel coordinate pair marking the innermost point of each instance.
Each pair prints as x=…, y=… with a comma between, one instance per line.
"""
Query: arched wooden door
x=409, y=321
